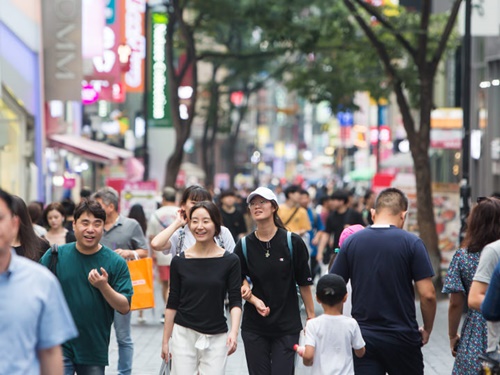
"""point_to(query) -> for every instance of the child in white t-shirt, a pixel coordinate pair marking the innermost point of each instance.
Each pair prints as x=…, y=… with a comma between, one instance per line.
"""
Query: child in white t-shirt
x=331, y=337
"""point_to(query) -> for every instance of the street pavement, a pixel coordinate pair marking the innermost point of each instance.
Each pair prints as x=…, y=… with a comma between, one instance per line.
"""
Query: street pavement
x=147, y=339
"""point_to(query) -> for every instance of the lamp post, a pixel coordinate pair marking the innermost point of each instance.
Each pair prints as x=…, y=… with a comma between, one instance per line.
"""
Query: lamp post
x=466, y=92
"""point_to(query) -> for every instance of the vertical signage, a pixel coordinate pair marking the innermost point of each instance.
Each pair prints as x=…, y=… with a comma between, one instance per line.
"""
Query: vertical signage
x=110, y=12
x=62, y=52
x=135, y=38
x=158, y=91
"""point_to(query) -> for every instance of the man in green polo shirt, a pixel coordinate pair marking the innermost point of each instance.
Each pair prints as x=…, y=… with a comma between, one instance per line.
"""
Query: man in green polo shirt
x=96, y=282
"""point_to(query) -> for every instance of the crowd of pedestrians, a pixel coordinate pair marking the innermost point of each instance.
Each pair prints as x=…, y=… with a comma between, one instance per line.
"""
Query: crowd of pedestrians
x=254, y=258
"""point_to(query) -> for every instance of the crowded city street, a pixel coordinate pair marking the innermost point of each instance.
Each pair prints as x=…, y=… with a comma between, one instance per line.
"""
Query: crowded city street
x=254, y=187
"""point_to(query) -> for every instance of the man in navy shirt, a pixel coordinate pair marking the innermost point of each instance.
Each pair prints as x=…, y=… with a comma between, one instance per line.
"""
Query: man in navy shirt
x=382, y=262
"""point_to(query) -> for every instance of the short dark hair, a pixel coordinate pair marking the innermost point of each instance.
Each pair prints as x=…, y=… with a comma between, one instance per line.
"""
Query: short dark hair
x=69, y=206
x=391, y=199
x=291, y=189
x=212, y=210
x=226, y=193
x=331, y=289
x=304, y=192
x=169, y=194
x=85, y=192
x=340, y=195
x=367, y=195
x=53, y=206
x=196, y=193
x=90, y=206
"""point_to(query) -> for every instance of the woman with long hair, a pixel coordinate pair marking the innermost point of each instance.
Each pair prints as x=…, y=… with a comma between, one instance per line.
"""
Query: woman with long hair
x=483, y=227
x=195, y=329
x=137, y=213
x=54, y=217
x=27, y=243
x=177, y=237
x=276, y=261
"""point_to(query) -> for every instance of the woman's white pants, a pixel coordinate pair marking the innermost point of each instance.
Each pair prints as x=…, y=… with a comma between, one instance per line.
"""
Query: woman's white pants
x=195, y=353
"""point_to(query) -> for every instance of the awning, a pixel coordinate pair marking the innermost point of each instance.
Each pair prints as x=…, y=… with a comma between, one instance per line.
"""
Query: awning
x=89, y=149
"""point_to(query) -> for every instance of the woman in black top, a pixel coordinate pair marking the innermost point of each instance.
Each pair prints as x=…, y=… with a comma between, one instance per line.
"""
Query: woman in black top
x=271, y=319
x=27, y=242
x=54, y=216
x=195, y=329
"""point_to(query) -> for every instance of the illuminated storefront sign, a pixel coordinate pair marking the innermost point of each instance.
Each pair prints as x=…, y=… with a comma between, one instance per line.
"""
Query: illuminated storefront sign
x=158, y=104
x=136, y=40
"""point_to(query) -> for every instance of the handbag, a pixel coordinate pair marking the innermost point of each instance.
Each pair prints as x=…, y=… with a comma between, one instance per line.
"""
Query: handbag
x=141, y=274
x=165, y=368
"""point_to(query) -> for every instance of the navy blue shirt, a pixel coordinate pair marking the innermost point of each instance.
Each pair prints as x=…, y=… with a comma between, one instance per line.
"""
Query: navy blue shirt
x=382, y=263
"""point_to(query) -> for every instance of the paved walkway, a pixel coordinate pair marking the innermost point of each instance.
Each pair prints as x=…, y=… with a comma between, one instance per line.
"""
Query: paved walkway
x=148, y=336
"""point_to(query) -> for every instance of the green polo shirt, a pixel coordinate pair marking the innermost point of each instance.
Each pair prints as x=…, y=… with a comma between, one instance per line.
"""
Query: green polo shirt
x=92, y=314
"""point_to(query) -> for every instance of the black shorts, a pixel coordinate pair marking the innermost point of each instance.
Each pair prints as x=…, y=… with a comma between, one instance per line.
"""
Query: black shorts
x=393, y=358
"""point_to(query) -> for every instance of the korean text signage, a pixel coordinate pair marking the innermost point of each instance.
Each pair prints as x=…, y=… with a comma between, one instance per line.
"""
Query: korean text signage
x=158, y=90
x=136, y=40
x=62, y=41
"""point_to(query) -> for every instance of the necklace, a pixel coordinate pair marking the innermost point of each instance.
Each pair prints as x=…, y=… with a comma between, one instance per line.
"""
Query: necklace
x=267, y=244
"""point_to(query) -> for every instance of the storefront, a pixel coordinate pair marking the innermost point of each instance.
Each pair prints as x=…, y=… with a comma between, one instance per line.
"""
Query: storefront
x=21, y=136
x=16, y=145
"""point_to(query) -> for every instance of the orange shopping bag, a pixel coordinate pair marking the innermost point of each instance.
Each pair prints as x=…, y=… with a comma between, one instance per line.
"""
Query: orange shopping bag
x=141, y=273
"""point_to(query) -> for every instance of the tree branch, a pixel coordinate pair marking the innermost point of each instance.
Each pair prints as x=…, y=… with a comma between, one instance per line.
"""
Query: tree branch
x=379, y=47
x=404, y=107
x=423, y=37
x=446, y=35
x=384, y=22
x=237, y=56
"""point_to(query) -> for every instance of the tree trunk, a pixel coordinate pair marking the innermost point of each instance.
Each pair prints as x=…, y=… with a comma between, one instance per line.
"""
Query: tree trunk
x=175, y=75
x=420, y=153
x=419, y=147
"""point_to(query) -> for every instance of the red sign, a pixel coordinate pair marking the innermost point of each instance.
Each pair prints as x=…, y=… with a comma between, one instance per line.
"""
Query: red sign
x=107, y=67
x=136, y=40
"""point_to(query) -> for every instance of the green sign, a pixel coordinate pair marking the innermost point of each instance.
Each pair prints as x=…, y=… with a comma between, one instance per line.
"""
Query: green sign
x=158, y=90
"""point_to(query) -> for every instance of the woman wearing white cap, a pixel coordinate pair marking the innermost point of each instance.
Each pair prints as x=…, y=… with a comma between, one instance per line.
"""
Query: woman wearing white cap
x=275, y=261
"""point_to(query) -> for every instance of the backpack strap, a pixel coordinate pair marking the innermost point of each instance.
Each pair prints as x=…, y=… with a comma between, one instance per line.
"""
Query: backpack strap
x=54, y=255
x=289, y=242
x=244, y=247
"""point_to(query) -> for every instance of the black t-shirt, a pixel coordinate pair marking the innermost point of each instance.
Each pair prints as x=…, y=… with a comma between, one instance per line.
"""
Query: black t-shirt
x=198, y=287
x=274, y=282
x=235, y=222
x=382, y=263
x=336, y=222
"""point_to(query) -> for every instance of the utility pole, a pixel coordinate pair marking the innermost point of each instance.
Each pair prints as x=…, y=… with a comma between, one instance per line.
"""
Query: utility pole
x=466, y=92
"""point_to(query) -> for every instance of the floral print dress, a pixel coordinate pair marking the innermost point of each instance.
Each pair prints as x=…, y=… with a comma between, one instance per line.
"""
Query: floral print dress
x=473, y=337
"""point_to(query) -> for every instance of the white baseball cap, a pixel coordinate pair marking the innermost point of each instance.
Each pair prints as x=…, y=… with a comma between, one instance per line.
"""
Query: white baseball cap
x=264, y=193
